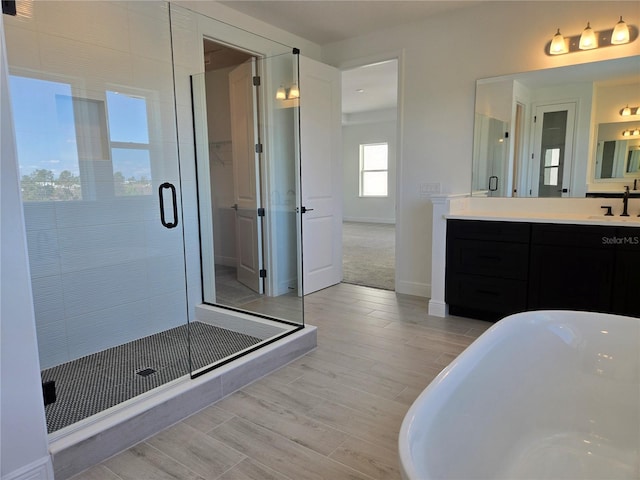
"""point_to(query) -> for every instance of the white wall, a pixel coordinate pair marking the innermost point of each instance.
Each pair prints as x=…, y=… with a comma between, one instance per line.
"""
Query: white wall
x=23, y=441
x=372, y=209
x=437, y=94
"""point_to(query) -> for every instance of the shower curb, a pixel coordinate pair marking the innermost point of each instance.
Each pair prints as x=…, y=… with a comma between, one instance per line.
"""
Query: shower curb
x=141, y=418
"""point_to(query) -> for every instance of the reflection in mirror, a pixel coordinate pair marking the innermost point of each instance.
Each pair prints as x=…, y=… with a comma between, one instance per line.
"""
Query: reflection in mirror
x=616, y=156
x=490, y=155
x=247, y=182
x=597, y=92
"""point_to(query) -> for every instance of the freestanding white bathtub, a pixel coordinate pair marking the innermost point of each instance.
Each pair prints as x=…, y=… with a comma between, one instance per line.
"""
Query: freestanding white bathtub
x=540, y=395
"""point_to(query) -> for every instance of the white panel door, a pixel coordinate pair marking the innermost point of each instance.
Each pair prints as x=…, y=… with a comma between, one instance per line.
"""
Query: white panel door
x=554, y=128
x=321, y=174
x=246, y=174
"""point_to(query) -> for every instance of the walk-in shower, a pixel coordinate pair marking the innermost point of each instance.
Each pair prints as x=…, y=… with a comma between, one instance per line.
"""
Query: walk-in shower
x=121, y=143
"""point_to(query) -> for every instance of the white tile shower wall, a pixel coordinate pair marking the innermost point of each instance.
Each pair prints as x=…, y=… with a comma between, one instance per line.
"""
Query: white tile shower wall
x=101, y=276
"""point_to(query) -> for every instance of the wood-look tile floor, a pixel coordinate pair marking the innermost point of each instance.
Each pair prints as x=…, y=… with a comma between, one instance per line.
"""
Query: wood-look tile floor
x=333, y=414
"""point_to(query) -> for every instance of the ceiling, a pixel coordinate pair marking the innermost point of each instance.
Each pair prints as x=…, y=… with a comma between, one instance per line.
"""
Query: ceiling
x=371, y=87
x=327, y=21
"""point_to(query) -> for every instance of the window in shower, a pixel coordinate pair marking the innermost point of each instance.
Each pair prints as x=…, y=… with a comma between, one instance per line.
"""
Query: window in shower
x=73, y=148
x=129, y=139
x=45, y=130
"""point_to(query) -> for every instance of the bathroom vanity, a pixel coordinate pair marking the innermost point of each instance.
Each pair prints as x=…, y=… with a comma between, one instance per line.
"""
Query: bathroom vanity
x=502, y=256
x=496, y=268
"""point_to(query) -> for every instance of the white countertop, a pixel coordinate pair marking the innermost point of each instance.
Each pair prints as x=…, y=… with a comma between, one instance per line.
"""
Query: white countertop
x=568, y=218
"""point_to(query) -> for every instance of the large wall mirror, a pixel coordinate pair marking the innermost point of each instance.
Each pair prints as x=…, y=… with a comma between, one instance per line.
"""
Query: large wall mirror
x=559, y=132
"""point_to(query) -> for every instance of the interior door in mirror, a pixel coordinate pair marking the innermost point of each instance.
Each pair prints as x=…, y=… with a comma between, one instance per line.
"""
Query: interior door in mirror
x=553, y=150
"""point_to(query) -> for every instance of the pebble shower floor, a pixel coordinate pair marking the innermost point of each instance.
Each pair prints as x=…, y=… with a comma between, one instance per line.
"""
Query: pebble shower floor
x=101, y=380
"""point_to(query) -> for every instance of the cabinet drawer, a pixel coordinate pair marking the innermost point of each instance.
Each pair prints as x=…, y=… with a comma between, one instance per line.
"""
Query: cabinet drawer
x=486, y=294
x=506, y=260
x=570, y=235
x=482, y=230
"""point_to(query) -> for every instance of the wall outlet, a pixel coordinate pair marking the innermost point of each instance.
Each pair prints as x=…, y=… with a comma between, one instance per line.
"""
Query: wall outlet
x=428, y=189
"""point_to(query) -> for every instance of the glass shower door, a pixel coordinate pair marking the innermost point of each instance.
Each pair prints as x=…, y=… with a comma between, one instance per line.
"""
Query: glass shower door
x=95, y=120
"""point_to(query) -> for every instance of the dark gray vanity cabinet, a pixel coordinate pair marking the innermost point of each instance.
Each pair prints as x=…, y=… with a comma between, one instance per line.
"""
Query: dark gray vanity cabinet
x=626, y=287
x=487, y=268
x=498, y=268
x=571, y=267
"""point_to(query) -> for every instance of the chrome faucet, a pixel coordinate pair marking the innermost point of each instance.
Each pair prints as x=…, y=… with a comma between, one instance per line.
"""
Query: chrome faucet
x=625, y=202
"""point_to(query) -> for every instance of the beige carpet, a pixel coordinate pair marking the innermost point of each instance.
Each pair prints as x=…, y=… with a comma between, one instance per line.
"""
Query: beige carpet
x=368, y=254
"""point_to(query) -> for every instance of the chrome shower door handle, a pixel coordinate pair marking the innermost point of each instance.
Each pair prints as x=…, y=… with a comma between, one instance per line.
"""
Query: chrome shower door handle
x=174, y=201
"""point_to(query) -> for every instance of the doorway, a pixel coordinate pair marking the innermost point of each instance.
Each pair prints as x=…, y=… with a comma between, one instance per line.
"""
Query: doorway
x=234, y=175
x=246, y=151
x=553, y=150
x=369, y=131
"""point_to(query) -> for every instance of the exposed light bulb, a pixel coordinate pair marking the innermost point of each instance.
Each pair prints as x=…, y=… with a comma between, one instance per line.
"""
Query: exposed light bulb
x=626, y=133
x=588, y=38
x=620, y=33
x=558, y=45
x=626, y=111
x=280, y=93
x=294, y=91
x=636, y=132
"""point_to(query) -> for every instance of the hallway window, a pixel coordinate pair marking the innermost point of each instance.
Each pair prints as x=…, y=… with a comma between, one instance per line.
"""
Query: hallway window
x=374, y=169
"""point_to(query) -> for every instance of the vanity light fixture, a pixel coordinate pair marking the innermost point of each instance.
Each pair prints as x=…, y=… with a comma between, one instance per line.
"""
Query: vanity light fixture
x=590, y=39
x=620, y=33
x=631, y=133
x=628, y=111
x=290, y=93
x=558, y=44
x=294, y=91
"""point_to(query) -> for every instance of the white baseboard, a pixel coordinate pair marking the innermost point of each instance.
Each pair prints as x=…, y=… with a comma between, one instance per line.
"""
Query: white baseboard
x=369, y=220
x=41, y=469
x=438, y=308
x=413, y=288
